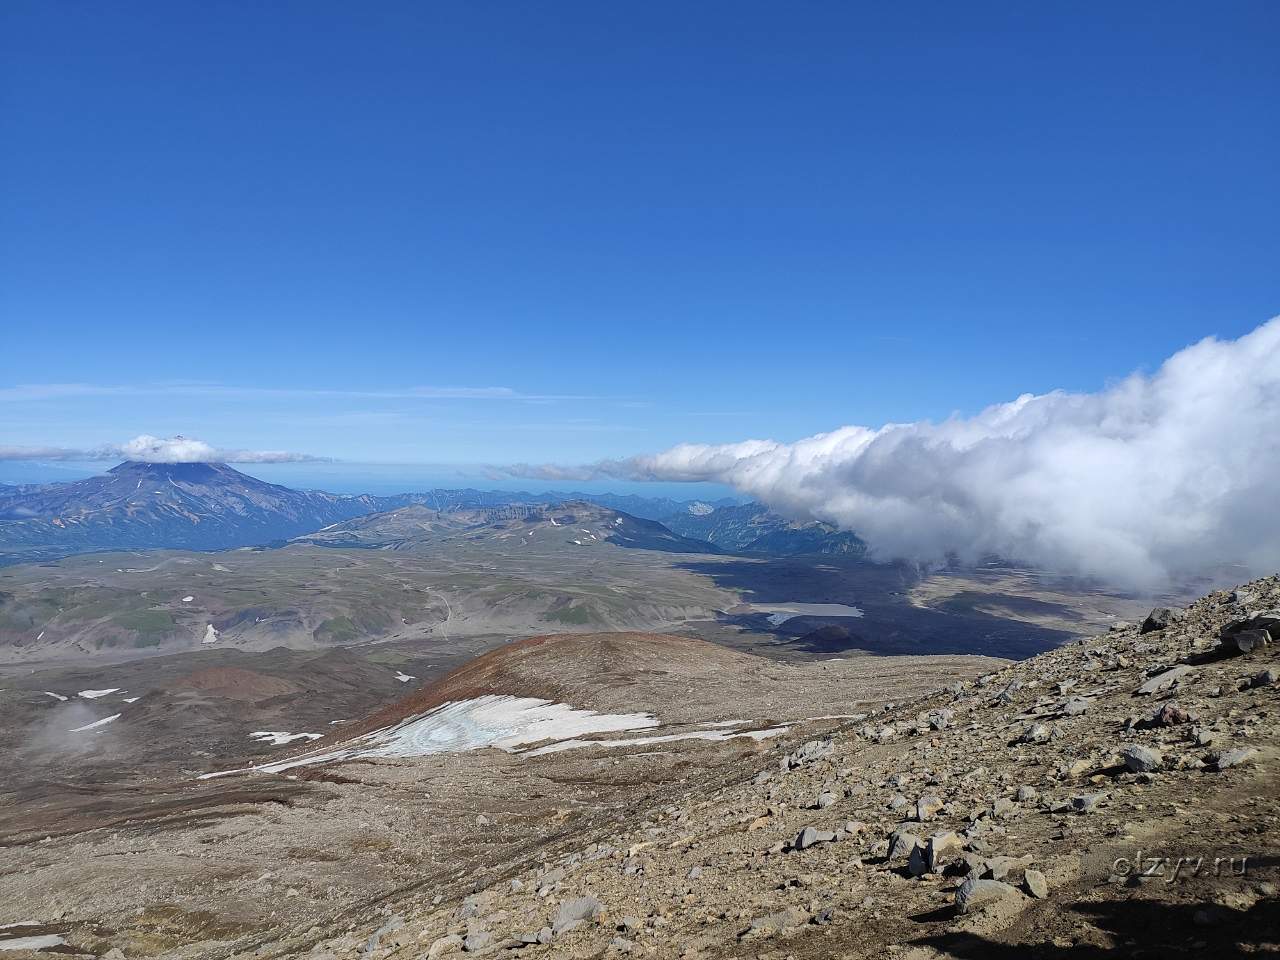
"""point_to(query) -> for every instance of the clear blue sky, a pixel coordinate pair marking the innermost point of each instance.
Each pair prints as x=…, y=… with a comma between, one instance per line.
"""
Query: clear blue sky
x=644, y=222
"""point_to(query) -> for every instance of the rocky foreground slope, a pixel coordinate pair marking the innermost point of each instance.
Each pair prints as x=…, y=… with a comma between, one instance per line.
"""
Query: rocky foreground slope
x=1113, y=798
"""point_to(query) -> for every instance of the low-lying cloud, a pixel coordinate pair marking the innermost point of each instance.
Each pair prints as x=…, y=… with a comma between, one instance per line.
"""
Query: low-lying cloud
x=157, y=450
x=1155, y=477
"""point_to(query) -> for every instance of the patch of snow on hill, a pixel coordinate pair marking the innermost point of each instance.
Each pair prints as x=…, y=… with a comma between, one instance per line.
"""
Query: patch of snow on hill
x=504, y=722
x=97, y=723
x=280, y=738
x=95, y=694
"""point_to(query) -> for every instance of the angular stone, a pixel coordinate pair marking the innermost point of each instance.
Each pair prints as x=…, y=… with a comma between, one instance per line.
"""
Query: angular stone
x=976, y=893
x=1034, y=883
x=901, y=843
x=574, y=912
x=1159, y=619
x=927, y=807
x=443, y=945
x=1165, y=680
x=942, y=848
x=1246, y=641
x=810, y=836
x=1140, y=759
x=1076, y=706
x=1234, y=758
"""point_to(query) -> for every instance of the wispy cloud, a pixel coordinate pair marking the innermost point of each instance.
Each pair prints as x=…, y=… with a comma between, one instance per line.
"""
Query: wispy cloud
x=38, y=392
x=157, y=450
x=1155, y=476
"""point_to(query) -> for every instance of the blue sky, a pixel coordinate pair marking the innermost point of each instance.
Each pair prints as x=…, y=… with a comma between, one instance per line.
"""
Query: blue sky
x=468, y=233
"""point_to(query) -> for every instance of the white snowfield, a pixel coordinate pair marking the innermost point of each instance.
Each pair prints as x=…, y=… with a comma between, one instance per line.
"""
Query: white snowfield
x=504, y=722
x=42, y=942
x=404, y=677
x=280, y=738
x=187, y=599
x=97, y=723
x=95, y=694
x=210, y=634
x=722, y=734
x=56, y=696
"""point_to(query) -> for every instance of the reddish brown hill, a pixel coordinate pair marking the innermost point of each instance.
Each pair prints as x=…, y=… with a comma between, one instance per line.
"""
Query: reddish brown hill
x=234, y=683
x=611, y=672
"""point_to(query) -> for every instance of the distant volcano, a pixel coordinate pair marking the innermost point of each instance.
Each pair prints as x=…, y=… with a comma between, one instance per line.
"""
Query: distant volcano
x=136, y=505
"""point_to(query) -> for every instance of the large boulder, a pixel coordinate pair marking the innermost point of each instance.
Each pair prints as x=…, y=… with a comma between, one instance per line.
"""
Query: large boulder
x=976, y=893
x=1159, y=619
x=574, y=912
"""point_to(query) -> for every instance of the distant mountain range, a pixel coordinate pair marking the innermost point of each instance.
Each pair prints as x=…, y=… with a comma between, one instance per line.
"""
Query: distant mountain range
x=211, y=506
x=576, y=522
x=753, y=528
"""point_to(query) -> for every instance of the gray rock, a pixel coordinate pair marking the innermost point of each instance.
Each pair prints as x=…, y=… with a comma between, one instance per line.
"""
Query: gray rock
x=807, y=753
x=1086, y=802
x=941, y=719
x=825, y=799
x=1076, y=706
x=901, y=843
x=695, y=873
x=1003, y=808
x=443, y=945
x=941, y=849
x=1234, y=758
x=917, y=865
x=1159, y=619
x=1266, y=678
x=1140, y=759
x=574, y=912
x=1246, y=641
x=1165, y=680
x=1036, y=733
x=782, y=920
x=477, y=940
x=1027, y=793
x=1034, y=883
x=810, y=836
x=976, y=893
x=927, y=807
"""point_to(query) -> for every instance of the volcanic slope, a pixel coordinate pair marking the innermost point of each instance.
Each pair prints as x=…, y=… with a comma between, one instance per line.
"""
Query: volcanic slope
x=1114, y=797
x=1011, y=814
x=580, y=732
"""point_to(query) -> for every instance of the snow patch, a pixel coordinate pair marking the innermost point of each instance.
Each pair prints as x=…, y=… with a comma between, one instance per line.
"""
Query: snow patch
x=665, y=738
x=40, y=942
x=279, y=738
x=404, y=677
x=210, y=634
x=97, y=723
x=95, y=694
x=187, y=599
x=499, y=721
x=56, y=696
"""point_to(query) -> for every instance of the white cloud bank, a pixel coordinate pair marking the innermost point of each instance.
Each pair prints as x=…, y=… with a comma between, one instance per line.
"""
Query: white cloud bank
x=1154, y=477
x=156, y=450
